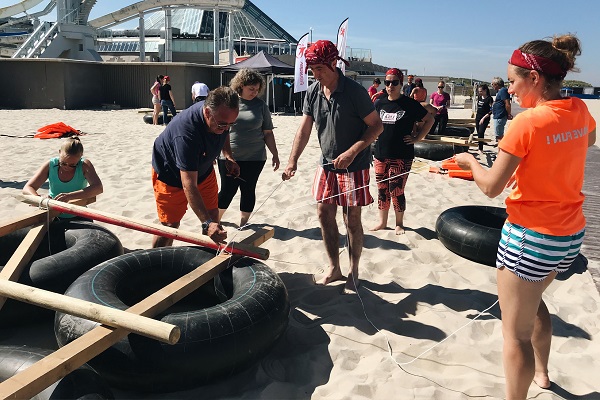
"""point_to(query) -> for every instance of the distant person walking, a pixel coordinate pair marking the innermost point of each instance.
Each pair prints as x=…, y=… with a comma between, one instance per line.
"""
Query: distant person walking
x=484, y=111
x=374, y=87
x=154, y=89
x=419, y=93
x=167, y=101
x=542, y=157
x=408, y=86
x=441, y=101
x=199, y=92
x=501, y=111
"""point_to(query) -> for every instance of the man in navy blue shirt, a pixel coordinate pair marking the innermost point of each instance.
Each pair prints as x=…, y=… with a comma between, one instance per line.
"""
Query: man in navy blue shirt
x=182, y=163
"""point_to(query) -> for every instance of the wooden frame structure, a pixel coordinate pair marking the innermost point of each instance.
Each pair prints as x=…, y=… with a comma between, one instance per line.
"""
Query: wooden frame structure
x=116, y=324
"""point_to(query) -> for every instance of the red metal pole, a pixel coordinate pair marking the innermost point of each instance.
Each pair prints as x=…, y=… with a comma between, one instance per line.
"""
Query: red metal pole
x=160, y=230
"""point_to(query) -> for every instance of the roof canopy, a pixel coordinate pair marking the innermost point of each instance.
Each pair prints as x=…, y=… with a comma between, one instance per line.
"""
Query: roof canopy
x=261, y=62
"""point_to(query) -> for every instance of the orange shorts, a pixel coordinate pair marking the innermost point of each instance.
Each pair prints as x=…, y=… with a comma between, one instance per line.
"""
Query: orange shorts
x=171, y=203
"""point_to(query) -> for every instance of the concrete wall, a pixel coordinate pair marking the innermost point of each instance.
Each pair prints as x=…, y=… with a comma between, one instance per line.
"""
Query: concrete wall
x=70, y=84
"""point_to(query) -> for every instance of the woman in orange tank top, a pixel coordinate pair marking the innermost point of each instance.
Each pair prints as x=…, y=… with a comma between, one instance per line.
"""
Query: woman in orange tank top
x=419, y=93
x=545, y=226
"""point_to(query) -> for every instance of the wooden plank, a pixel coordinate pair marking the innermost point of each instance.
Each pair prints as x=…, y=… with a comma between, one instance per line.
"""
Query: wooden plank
x=148, y=227
x=158, y=330
x=461, y=142
x=461, y=120
x=21, y=257
x=53, y=367
x=449, y=140
x=14, y=224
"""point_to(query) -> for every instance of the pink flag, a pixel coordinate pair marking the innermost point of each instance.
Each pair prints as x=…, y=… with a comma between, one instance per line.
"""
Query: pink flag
x=341, y=44
x=300, y=75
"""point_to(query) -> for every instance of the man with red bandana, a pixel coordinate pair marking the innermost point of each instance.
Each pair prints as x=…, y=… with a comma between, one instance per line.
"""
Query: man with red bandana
x=347, y=124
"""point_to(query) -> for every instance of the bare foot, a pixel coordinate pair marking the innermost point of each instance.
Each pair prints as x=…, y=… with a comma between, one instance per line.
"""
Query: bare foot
x=351, y=286
x=542, y=380
x=378, y=227
x=399, y=230
x=328, y=278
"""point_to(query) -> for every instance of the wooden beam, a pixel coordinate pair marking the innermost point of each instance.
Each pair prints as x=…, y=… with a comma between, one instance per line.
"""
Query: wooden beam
x=53, y=367
x=143, y=226
x=461, y=120
x=21, y=257
x=149, y=327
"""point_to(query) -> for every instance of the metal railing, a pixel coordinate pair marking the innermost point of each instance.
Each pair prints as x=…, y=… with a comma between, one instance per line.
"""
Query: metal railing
x=37, y=41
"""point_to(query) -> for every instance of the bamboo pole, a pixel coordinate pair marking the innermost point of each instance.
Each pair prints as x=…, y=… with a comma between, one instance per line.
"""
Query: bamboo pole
x=12, y=224
x=149, y=327
x=55, y=366
x=161, y=230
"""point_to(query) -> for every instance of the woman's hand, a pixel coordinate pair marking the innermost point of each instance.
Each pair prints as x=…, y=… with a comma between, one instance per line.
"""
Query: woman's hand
x=232, y=167
x=465, y=160
x=275, y=162
x=409, y=139
x=64, y=197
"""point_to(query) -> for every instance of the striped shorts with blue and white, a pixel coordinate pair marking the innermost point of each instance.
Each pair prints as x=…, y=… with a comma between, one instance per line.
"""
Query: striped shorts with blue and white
x=532, y=256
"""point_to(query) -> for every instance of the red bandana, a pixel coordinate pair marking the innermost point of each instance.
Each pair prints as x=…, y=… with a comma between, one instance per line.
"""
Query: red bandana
x=537, y=63
x=397, y=72
x=323, y=52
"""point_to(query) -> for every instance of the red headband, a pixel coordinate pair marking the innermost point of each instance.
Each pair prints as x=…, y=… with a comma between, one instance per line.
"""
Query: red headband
x=537, y=63
x=323, y=52
x=397, y=72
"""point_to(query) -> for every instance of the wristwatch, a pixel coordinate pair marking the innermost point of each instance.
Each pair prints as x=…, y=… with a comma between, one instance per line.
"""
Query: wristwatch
x=205, y=226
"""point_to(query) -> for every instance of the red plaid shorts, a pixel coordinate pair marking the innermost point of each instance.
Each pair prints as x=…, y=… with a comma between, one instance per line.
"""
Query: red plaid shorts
x=343, y=188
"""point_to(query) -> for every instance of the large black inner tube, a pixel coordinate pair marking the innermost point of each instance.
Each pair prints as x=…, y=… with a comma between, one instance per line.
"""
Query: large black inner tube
x=75, y=247
x=226, y=325
x=148, y=119
x=472, y=232
x=82, y=383
x=437, y=151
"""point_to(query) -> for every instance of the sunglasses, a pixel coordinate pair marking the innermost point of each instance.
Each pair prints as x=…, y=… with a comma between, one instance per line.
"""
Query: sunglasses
x=395, y=82
x=440, y=87
x=64, y=164
x=225, y=125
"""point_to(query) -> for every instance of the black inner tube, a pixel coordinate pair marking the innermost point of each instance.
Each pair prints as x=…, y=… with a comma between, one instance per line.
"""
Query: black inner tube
x=226, y=325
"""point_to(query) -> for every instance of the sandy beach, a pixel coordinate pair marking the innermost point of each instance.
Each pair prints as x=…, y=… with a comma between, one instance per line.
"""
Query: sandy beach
x=409, y=334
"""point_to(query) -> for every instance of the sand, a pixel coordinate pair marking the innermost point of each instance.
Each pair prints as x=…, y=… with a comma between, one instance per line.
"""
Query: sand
x=409, y=334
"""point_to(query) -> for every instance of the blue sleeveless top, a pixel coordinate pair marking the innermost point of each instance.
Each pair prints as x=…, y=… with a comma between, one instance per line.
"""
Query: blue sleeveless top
x=57, y=186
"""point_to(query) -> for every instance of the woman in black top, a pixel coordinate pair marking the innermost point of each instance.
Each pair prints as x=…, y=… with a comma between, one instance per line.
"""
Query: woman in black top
x=484, y=111
x=167, y=101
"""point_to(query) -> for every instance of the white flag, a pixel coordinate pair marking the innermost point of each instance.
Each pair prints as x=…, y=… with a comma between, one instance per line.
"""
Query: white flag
x=341, y=44
x=300, y=73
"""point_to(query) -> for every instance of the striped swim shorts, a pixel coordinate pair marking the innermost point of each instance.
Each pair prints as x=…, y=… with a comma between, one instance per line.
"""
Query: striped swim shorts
x=532, y=256
x=342, y=188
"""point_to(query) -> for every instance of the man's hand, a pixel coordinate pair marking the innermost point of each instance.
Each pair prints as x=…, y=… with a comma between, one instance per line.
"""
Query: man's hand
x=344, y=160
x=289, y=171
x=216, y=232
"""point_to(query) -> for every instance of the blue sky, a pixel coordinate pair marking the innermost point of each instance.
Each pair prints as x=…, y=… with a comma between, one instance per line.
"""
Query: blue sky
x=441, y=38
